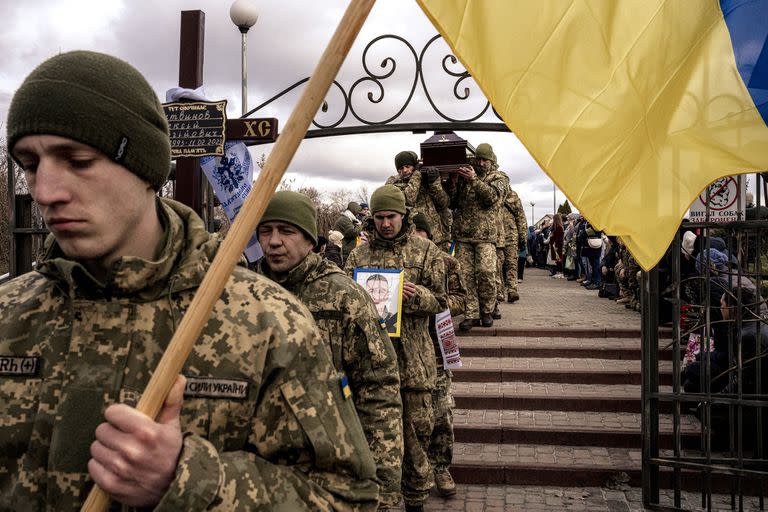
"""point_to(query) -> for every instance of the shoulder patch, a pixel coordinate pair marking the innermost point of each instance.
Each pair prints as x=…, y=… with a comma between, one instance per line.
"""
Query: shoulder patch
x=345, y=389
x=207, y=387
x=26, y=366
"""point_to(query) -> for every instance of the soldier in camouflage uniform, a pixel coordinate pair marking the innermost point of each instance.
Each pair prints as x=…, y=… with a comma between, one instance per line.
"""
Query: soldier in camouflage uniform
x=441, y=444
x=425, y=194
x=349, y=225
x=632, y=276
x=390, y=246
x=516, y=228
x=348, y=322
x=478, y=195
x=501, y=243
x=259, y=421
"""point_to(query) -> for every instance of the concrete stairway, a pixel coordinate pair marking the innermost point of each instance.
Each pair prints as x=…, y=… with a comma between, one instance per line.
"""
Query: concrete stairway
x=561, y=411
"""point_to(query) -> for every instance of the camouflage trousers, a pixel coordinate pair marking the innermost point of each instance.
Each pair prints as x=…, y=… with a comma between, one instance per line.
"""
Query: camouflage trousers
x=478, y=270
x=418, y=421
x=441, y=444
x=506, y=270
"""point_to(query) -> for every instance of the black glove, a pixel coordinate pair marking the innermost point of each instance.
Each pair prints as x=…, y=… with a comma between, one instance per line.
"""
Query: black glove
x=430, y=174
x=521, y=242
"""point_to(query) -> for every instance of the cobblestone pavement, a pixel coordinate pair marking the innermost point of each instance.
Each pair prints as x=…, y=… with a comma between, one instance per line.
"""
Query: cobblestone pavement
x=501, y=498
x=547, y=302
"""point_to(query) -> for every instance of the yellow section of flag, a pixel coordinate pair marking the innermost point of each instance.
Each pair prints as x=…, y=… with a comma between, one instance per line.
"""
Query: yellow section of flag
x=632, y=107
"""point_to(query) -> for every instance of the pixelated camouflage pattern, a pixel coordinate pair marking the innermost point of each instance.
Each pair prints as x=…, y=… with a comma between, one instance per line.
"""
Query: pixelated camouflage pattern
x=477, y=263
x=457, y=293
x=501, y=228
x=431, y=200
x=350, y=230
x=293, y=443
x=476, y=203
x=422, y=263
x=501, y=289
x=418, y=422
x=631, y=280
x=441, y=442
x=509, y=267
x=348, y=321
x=514, y=217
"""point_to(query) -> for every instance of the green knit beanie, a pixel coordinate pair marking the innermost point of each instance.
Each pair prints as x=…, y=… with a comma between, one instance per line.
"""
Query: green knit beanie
x=389, y=198
x=421, y=222
x=406, y=158
x=354, y=207
x=485, y=151
x=293, y=208
x=100, y=101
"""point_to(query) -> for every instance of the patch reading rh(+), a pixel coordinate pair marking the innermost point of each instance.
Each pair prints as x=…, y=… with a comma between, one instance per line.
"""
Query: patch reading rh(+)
x=19, y=365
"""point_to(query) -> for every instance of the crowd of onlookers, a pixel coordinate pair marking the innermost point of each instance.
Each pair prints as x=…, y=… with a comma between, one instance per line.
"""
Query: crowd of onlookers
x=570, y=248
x=723, y=314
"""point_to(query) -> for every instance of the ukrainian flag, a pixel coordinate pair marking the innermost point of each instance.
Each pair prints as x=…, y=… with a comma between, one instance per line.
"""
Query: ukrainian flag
x=631, y=106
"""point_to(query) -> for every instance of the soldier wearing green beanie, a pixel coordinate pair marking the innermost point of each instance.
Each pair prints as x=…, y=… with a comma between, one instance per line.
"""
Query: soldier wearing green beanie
x=478, y=198
x=121, y=267
x=391, y=246
x=293, y=208
x=348, y=322
x=100, y=101
x=424, y=193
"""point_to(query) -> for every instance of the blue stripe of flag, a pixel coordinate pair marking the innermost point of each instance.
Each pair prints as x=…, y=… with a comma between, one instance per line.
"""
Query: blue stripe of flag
x=747, y=22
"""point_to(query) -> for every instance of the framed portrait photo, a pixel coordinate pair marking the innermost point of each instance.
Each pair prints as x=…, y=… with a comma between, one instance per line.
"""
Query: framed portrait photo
x=385, y=286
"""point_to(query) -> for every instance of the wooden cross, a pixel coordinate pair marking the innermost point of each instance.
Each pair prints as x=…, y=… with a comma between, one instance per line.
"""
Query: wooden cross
x=190, y=182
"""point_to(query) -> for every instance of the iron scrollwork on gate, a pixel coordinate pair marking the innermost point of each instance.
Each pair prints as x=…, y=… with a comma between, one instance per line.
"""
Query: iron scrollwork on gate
x=353, y=105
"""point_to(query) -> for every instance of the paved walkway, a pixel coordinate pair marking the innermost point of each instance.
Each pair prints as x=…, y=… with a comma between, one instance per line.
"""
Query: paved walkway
x=548, y=303
x=507, y=498
x=553, y=304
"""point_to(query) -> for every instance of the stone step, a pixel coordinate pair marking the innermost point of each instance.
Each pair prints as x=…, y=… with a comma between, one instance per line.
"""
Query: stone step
x=567, y=466
x=597, y=348
x=574, y=428
x=550, y=396
x=562, y=332
x=558, y=369
x=542, y=464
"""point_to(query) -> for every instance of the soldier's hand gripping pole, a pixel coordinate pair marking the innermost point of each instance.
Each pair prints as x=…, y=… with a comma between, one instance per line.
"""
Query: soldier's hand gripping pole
x=244, y=225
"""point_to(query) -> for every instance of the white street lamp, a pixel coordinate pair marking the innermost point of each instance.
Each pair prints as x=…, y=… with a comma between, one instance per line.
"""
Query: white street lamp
x=244, y=15
x=533, y=220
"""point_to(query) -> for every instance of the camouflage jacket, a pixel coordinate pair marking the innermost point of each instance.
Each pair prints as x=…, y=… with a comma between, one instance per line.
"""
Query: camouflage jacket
x=457, y=294
x=431, y=200
x=476, y=204
x=348, y=321
x=264, y=420
x=513, y=216
x=350, y=230
x=422, y=264
x=501, y=228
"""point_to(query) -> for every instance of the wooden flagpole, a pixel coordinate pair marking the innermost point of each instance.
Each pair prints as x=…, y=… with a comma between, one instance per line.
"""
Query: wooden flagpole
x=245, y=223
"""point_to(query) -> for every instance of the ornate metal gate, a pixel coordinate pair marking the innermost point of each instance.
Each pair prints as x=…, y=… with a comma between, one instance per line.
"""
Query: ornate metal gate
x=351, y=119
x=725, y=384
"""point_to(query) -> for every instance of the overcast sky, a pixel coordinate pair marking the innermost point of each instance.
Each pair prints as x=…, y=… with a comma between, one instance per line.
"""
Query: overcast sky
x=283, y=47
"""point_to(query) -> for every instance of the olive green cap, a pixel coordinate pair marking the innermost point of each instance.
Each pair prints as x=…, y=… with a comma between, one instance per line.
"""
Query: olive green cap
x=388, y=198
x=293, y=208
x=100, y=101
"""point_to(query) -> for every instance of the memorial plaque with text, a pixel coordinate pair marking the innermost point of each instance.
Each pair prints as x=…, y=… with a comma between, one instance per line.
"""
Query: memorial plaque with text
x=197, y=128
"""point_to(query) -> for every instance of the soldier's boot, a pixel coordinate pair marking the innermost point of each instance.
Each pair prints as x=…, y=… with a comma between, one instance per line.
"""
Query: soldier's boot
x=444, y=481
x=513, y=296
x=467, y=324
x=487, y=320
x=496, y=313
x=414, y=507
